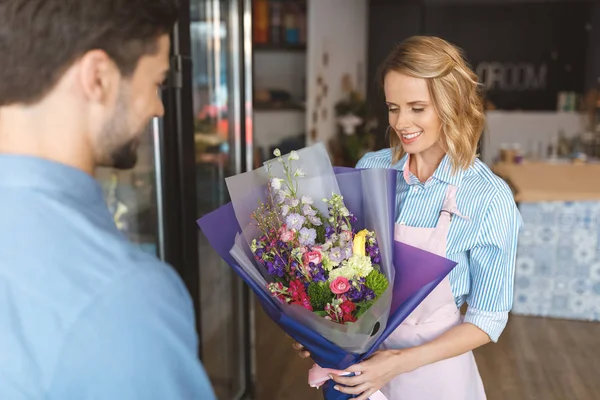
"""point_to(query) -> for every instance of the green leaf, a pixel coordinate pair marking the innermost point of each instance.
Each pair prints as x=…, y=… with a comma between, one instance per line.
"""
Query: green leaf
x=363, y=306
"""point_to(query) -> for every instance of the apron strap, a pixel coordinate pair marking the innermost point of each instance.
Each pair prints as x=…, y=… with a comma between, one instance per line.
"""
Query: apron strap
x=449, y=208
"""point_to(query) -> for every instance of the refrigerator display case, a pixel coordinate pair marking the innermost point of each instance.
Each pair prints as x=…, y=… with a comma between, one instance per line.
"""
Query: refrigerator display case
x=204, y=136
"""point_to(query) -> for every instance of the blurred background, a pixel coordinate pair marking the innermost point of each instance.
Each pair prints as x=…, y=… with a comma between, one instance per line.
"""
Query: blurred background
x=252, y=75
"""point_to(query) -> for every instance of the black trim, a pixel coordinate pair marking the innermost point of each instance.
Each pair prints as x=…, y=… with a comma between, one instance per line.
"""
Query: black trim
x=250, y=389
x=178, y=179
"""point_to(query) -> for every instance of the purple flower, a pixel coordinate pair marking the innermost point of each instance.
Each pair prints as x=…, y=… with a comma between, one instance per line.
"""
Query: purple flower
x=329, y=231
x=307, y=236
x=347, y=251
x=295, y=221
x=335, y=255
x=275, y=270
x=317, y=272
x=355, y=294
x=368, y=294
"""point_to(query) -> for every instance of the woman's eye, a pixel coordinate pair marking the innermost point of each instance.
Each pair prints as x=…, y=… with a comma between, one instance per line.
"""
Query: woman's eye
x=418, y=110
x=392, y=110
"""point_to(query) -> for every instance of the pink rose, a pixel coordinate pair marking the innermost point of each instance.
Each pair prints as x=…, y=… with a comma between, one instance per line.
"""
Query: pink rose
x=286, y=236
x=340, y=285
x=346, y=236
x=314, y=257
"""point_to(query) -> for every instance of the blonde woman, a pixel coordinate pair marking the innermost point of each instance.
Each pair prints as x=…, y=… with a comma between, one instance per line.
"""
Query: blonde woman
x=449, y=203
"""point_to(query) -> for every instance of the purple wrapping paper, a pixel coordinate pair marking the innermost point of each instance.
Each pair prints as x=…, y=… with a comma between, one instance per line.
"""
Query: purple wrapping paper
x=417, y=271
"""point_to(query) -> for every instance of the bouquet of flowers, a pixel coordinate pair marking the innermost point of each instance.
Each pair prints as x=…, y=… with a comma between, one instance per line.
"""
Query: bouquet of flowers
x=316, y=245
x=319, y=262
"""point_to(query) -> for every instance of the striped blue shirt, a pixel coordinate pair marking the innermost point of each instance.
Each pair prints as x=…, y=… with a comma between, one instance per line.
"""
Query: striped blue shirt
x=484, y=244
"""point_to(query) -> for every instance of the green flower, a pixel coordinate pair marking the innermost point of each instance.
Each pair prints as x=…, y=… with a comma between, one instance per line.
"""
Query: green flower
x=319, y=294
x=377, y=282
x=326, y=262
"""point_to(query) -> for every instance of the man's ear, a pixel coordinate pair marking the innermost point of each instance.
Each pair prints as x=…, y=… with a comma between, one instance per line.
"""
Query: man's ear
x=99, y=76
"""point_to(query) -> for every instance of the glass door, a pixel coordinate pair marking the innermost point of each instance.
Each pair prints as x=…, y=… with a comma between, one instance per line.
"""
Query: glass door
x=220, y=74
x=133, y=196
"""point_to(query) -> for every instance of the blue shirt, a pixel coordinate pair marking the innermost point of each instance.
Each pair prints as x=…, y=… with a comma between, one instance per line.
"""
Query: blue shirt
x=83, y=313
x=484, y=244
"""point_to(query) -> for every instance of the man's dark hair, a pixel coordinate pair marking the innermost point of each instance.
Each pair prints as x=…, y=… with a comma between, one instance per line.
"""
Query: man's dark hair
x=41, y=39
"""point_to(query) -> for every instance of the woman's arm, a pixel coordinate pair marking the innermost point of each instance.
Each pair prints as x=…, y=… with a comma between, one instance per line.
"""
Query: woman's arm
x=385, y=365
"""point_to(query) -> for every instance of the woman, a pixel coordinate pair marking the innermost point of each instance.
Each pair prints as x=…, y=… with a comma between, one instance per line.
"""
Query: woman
x=448, y=203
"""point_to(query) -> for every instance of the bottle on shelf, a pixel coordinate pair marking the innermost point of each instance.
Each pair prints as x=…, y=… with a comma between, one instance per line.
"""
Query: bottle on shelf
x=261, y=22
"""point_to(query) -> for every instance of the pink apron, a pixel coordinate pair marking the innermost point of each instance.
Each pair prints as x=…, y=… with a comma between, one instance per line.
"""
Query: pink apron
x=452, y=379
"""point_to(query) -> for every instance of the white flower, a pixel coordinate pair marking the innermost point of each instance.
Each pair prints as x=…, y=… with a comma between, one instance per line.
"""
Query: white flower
x=349, y=122
x=294, y=202
x=294, y=155
x=315, y=220
x=276, y=183
x=307, y=200
x=281, y=196
x=285, y=209
x=355, y=266
x=360, y=265
x=345, y=212
x=308, y=211
x=299, y=173
x=277, y=153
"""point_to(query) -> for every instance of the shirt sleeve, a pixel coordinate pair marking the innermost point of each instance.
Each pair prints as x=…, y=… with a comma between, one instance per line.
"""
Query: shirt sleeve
x=136, y=340
x=492, y=266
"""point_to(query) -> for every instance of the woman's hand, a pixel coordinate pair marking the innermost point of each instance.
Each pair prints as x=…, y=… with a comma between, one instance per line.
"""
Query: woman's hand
x=301, y=350
x=375, y=372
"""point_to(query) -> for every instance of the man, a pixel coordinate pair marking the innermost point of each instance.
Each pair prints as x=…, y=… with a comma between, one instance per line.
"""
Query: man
x=83, y=314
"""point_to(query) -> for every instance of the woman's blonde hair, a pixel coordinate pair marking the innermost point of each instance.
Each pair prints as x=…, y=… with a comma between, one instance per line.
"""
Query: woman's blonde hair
x=454, y=90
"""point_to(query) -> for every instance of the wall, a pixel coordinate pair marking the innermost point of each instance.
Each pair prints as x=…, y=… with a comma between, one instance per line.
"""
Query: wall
x=391, y=21
x=337, y=45
x=281, y=70
x=271, y=127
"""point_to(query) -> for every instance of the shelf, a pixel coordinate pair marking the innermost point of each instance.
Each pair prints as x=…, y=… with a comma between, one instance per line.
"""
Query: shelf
x=279, y=107
x=259, y=47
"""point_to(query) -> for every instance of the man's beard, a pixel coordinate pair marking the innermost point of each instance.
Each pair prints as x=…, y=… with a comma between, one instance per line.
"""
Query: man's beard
x=113, y=153
x=125, y=157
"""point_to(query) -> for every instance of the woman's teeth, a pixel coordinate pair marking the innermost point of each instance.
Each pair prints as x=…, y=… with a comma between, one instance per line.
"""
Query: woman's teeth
x=412, y=135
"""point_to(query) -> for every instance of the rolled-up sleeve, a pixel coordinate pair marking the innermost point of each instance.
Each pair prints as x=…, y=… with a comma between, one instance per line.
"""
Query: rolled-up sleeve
x=492, y=266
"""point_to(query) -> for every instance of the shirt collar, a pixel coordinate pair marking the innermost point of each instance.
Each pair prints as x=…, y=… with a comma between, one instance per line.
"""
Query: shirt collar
x=50, y=176
x=442, y=173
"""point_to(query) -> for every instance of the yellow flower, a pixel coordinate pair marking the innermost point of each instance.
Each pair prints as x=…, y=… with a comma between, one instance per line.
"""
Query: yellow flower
x=360, y=242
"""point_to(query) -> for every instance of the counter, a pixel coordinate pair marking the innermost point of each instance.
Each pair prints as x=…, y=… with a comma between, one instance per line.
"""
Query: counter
x=558, y=258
